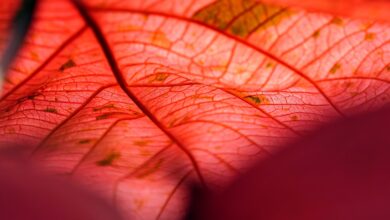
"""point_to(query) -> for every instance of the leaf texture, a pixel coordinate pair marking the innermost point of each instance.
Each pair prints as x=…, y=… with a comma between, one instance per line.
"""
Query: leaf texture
x=372, y=9
x=138, y=98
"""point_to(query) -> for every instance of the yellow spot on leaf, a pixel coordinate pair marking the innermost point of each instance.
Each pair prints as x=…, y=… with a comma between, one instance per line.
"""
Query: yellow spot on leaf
x=316, y=33
x=160, y=39
x=334, y=68
x=253, y=99
x=159, y=77
x=199, y=96
x=109, y=159
x=218, y=68
x=201, y=62
x=369, y=36
x=269, y=65
x=240, y=70
x=128, y=28
x=257, y=99
x=189, y=46
x=337, y=21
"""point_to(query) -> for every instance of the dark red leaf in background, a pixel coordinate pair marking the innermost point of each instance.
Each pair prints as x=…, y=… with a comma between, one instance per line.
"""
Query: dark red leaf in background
x=26, y=193
x=341, y=172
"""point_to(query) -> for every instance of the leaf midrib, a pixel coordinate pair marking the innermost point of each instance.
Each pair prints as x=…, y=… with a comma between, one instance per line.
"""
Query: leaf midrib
x=122, y=83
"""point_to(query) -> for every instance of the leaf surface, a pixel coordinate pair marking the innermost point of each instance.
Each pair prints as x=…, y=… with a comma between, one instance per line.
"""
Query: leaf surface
x=137, y=98
x=372, y=9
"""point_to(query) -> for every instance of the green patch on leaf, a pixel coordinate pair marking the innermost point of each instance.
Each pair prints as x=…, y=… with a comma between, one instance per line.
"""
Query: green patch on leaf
x=238, y=30
x=254, y=99
x=241, y=17
x=257, y=99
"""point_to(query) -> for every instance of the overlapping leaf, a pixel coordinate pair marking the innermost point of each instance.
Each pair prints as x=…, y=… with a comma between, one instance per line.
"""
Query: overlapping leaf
x=136, y=98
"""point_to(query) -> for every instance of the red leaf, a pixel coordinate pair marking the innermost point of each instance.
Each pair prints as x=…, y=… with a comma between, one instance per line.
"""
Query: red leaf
x=135, y=98
x=26, y=193
x=372, y=9
x=340, y=172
